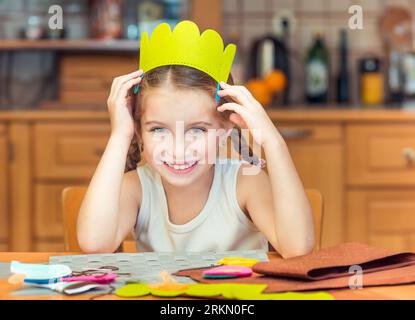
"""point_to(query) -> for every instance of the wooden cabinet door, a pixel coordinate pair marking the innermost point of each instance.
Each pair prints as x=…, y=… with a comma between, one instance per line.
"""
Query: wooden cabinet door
x=68, y=150
x=317, y=152
x=382, y=218
x=381, y=155
x=4, y=209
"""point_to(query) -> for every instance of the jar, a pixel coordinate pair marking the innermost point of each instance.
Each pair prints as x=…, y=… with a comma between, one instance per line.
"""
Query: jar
x=371, y=82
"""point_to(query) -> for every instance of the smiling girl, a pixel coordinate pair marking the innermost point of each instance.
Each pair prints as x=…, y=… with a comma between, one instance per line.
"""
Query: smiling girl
x=157, y=178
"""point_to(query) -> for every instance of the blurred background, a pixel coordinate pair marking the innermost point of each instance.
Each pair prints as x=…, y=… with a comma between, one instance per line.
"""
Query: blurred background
x=336, y=76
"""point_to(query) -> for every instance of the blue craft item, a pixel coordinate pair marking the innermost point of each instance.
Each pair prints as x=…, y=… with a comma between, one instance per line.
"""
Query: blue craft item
x=137, y=87
x=217, y=98
x=40, y=273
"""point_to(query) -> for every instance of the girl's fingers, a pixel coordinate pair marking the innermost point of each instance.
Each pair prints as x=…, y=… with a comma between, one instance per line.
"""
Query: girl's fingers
x=235, y=94
x=123, y=90
x=241, y=89
x=119, y=81
x=232, y=106
x=237, y=119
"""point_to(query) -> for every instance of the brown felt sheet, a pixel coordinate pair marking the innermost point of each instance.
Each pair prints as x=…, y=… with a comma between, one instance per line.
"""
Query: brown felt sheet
x=335, y=262
x=326, y=270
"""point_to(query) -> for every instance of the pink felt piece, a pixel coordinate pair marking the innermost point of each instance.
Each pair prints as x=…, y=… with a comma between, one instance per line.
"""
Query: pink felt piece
x=238, y=271
x=97, y=278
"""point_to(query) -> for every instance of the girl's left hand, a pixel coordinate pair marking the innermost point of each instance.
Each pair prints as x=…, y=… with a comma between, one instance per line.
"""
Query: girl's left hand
x=248, y=113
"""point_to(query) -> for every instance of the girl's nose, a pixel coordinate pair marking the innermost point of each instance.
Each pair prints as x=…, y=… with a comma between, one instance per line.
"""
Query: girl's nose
x=179, y=149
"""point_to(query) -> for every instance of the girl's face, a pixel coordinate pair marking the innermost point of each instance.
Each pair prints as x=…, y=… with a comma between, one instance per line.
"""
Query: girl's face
x=180, y=130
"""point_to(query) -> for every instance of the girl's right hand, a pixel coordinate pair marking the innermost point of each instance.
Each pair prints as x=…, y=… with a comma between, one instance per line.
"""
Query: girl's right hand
x=120, y=104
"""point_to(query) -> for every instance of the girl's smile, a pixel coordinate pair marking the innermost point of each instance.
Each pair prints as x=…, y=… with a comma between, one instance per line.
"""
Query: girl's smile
x=184, y=168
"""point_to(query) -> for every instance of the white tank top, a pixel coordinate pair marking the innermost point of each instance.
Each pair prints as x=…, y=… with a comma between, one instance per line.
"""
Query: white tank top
x=220, y=226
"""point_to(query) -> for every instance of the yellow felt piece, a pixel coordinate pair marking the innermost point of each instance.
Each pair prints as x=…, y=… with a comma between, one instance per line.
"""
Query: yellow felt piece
x=133, y=290
x=169, y=286
x=235, y=289
x=186, y=46
x=206, y=290
x=238, y=261
x=166, y=293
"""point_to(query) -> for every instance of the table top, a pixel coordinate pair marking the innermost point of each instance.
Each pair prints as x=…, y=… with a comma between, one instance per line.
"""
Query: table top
x=401, y=292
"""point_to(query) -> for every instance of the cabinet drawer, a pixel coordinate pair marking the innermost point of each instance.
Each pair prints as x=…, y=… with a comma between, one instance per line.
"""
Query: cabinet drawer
x=86, y=79
x=69, y=150
x=381, y=154
x=309, y=133
x=382, y=218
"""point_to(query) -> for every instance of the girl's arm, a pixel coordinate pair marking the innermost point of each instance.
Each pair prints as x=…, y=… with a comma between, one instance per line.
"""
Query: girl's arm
x=110, y=205
x=277, y=204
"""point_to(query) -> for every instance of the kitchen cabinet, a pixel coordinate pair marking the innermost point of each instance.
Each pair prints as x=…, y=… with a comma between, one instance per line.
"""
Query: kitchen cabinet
x=317, y=152
x=65, y=154
x=4, y=208
x=384, y=218
x=49, y=152
x=381, y=155
x=381, y=185
x=68, y=150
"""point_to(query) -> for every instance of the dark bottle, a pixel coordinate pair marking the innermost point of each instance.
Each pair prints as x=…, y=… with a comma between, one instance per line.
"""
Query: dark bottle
x=342, y=94
x=317, y=72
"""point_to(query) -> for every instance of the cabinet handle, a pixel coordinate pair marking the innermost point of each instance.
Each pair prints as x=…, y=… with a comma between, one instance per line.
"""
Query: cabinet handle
x=408, y=154
x=296, y=133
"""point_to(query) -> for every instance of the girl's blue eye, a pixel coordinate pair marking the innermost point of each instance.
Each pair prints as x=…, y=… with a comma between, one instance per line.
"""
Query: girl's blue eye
x=158, y=130
x=197, y=130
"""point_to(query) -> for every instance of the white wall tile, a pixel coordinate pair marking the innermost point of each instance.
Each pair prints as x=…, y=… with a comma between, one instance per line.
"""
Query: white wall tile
x=230, y=6
x=369, y=37
x=333, y=32
x=400, y=3
x=232, y=25
x=309, y=27
x=284, y=4
x=312, y=6
x=251, y=6
x=370, y=6
x=339, y=5
x=252, y=29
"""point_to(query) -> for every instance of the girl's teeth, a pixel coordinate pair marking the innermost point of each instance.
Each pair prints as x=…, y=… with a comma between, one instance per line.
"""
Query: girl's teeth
x=181, y=166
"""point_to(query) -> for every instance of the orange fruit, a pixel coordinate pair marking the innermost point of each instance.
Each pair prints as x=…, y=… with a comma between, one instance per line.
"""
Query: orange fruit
x=276, y=80
x=260, y=91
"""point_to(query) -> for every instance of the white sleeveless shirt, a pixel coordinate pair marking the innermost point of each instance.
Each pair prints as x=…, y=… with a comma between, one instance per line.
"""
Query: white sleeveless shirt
x=220, y=226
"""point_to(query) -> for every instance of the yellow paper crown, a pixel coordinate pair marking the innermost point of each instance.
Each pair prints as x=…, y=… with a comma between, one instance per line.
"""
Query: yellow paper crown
x=186, y=46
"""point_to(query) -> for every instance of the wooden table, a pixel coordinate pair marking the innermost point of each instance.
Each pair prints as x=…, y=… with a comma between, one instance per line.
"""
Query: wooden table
x=404, y=292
